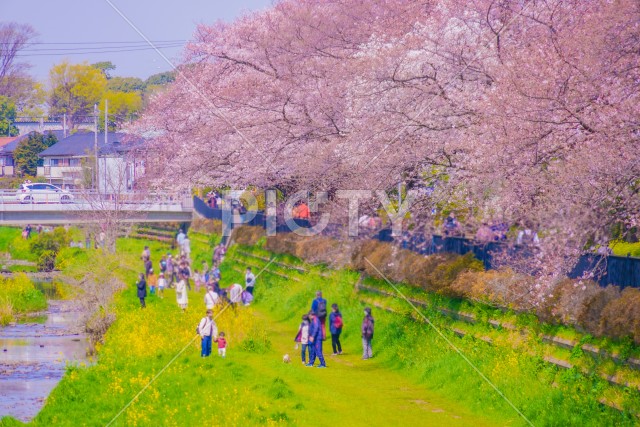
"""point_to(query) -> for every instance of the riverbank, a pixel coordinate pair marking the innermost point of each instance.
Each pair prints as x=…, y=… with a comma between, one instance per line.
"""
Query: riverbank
x=251, y=386
x=19, y=295
x=415, y=377
x=34, y=355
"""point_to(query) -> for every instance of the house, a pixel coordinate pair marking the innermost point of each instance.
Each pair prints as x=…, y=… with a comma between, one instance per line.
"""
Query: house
x=71, y=162
x=120, y=166
x=7, y=147
x=6, y=157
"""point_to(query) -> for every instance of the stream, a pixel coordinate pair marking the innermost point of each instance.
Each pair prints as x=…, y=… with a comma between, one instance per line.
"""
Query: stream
x=33, y=355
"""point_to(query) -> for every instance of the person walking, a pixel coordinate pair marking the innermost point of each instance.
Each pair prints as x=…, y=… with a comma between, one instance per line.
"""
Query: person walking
x=181, y=293
x=146, y=259
x=171, y=271
x=215, y=273
x=303, y=338
x=152, y=279
x=180, y=239
x=163, y=264
x=315, y=341
x=186, y=247
x=198, y=279
x=335, y=326
x=162, y=283
x=222, y=345
x=142, y=289
x=210, y=298
x=185, y=272
x=235, y=294
x=319, y=306
x=207, y=330
x=367, y=334
x=249, y=280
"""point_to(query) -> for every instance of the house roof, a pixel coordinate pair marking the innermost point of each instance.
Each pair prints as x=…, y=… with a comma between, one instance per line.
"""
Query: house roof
x=81, y=144
x=4, y=140
x=7, y=149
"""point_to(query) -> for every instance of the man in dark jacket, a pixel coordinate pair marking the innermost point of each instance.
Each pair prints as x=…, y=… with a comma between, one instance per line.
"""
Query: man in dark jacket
x=315, y=341
x=142, y=289
x=319, y=307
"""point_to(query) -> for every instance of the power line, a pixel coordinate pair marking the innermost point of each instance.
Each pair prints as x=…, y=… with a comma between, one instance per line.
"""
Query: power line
x=71, y=49
x=96, y=52
x=103, y=42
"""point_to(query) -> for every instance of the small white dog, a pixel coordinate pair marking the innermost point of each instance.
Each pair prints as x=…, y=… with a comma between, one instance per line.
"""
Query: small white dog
x=286, y=358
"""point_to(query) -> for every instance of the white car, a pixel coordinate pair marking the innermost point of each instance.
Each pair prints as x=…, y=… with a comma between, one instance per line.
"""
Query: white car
x=43, y=193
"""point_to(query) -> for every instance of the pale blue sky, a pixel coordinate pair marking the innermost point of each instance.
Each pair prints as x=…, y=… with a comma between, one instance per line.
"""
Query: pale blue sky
x=73, y=21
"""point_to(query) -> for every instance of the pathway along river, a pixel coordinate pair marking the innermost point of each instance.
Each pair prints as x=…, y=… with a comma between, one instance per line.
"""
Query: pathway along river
x=33, y=355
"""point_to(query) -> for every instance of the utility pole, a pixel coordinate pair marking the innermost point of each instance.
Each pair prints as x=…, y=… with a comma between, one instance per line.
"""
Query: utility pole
x=95, y=142
x=64, y=125
x=106, y=122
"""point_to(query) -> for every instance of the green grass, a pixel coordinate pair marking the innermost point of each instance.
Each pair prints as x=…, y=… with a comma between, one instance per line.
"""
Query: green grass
x=19, y=295
x=7, y=236
x=415, y=378
x=624, y=248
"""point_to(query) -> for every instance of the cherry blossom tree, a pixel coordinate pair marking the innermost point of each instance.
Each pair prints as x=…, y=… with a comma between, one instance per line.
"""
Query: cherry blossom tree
x=526, y=111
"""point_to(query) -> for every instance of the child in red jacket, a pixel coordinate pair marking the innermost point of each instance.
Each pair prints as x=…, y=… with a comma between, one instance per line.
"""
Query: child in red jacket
x=222, y=345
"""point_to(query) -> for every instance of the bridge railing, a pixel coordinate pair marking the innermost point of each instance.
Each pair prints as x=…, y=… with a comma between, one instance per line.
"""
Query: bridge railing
x=95, y=198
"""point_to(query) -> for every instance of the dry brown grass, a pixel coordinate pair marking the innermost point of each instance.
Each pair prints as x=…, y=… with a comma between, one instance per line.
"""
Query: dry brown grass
x=247, y=235
x=621, y=317
x=580, y=303
x=207, y=226
x=500, y=287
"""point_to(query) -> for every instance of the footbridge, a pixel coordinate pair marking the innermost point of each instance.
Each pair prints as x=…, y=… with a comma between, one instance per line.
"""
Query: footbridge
x=81, y=207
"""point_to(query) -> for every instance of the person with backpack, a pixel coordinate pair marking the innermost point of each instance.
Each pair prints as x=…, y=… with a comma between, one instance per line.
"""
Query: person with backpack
x=208, y=331
x=367, y=334
x=319, y=306
x=141, y=285
x=315, y=341
x=210, y=298
x=302, y=337
x=335, y=326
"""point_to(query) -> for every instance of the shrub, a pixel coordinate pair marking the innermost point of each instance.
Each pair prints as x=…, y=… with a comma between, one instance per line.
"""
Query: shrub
x=206, y=226
x=247, y=235
x=47, y=261
x=314, y=250
x=573, y=298
x=19, y=295
x=590, y=318
x=503, y=287
x=49, y=241
x=6, y=311
x=45, y=246
x=281, y=243
x=445, y=273
x=621, y=317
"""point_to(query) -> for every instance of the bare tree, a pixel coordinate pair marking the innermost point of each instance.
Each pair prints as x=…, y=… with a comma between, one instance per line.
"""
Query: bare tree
x=108, y=200
x=14, y=80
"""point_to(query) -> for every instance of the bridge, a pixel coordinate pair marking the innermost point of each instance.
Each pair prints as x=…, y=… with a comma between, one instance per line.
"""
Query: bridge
x=81, y=207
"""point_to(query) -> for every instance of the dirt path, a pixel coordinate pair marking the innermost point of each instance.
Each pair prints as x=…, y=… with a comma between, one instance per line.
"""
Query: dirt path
x=362, y=392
